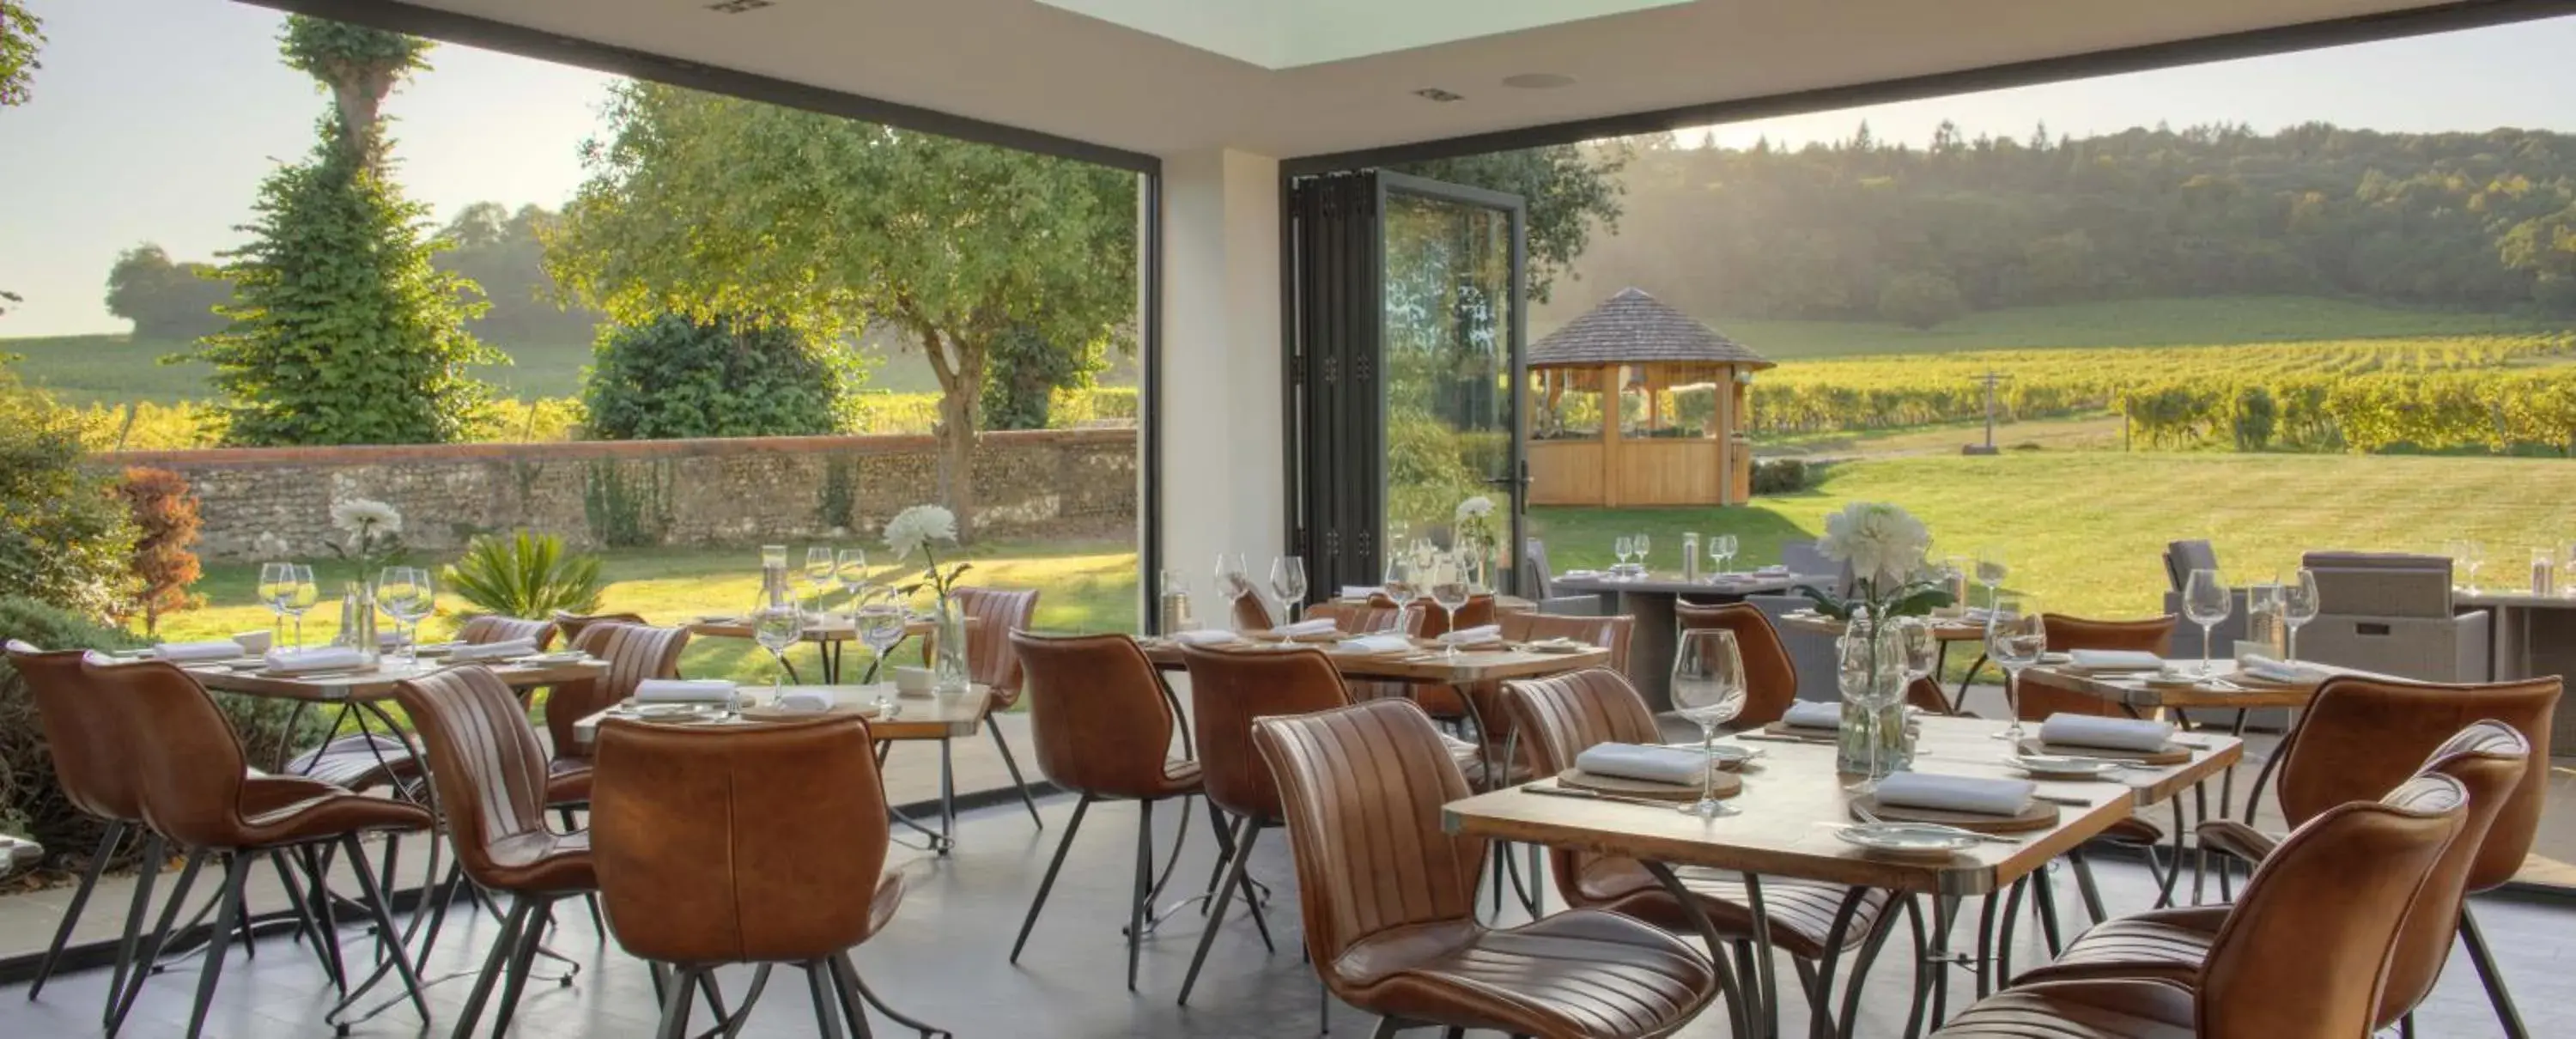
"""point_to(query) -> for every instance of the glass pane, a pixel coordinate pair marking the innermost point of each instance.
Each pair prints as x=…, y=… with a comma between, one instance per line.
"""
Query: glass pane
x=1449, y=373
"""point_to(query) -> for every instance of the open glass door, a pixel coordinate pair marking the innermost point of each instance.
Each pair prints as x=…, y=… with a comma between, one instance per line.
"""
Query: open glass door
x=1405, y=338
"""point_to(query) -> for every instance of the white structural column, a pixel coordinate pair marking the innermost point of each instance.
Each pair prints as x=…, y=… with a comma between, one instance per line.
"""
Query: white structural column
x=1222, y=485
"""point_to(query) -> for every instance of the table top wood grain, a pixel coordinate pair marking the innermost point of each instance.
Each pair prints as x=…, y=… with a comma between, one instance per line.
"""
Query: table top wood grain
x=1793, y=801
x=1422, y=665
x=377, y=683
x=1673, y=584
x=1945, y=629
x=2132, y=691
x=933, y=717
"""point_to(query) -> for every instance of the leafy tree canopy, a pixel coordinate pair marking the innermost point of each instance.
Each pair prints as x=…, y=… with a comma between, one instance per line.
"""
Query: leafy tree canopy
x=675, y=377
x=359, y=65
x=21, y=35
x=1567, y=188
x=166, y=300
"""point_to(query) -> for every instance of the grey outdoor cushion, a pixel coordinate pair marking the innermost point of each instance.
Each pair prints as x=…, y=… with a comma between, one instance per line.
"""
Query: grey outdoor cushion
x=2183, y=557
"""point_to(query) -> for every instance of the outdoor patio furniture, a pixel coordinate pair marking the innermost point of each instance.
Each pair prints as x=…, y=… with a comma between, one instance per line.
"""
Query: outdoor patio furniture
x=2038, y=703
x=2301, y=954
x=999, y=613
x=2393, y=614
x=1103, y=725
x=1770, y=677
x=1369, y=618
x=1362, y=789
x=780, y=839
x=2487, y=758
x=192, y=780
x=490, y=773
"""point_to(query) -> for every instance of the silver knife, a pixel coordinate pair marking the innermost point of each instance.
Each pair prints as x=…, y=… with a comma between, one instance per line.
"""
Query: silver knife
x=1587, y=795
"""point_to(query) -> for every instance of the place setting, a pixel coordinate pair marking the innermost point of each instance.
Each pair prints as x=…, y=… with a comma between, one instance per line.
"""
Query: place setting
x=1926, y=815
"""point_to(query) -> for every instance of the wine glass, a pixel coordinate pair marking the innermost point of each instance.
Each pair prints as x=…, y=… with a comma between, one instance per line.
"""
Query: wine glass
x=1921, y=646
x=2475, y=557
x=2015, y=637
x=276, y=589
x=1623, y=546
x=1231, y=579
x=820, y=572
x=1724, y=547
x=302, y=595
x=880, y=624
x=406, y=595
x=1288, y=581
x=1708, y=688
x=2298, y=605
x=1991, y=571
x=1641, y=543
x=1451, y=587
x=850, y=568
x=777, y=623
x=2206, y=602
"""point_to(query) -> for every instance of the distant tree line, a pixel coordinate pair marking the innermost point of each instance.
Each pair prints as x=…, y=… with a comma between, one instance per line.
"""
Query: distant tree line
x=1865, y=229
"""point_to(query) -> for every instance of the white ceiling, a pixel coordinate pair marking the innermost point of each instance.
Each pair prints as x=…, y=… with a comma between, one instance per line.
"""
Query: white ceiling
x=1277, y=35
x=1033, y=65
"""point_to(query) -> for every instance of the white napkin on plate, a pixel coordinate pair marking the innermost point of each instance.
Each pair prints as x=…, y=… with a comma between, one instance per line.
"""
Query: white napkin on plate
x=1205, y=637
x=675, y=690
x=1651, y=764
x=2088, y=730
x=2262, y=667
x=1774, y=570
x=815, y=700
x=1360, y=591
x=1956, y=793
x=1374, y=644
x=185, y=651
x=1814, y=714
x=2107, y=660
x=1317, y=626
x=1474, y=636
x=320, y=658
x=1581, y=573
x=502, y=650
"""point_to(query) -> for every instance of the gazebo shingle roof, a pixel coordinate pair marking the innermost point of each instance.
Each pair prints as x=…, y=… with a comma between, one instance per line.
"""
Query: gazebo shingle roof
x=1635, y=328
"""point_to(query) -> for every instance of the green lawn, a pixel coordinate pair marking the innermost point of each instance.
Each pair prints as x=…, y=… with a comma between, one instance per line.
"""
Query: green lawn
x=2143, y=322
x=2083, y=530
x=1086, y=586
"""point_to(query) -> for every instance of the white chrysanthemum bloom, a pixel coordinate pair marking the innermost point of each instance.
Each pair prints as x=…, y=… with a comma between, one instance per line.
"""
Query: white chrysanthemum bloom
x=356, y=514
x=268, y=546
x=919, y=525
x=1476, y=507
x=1883, y=543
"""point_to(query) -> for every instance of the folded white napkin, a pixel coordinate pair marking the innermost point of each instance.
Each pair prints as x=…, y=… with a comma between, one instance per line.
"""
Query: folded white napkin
x=1814, y=714
x=1651, y=764
x=1474, y=636
x=224, y=650
x=502, y=650
x=1317, y=626
x=1956, y=793
x=1360, y=591
x=2266, y=668
x=816, y=700
x=1205, y=637
x=2105, y=660
x=1774, y=570
x=2088, y=730
x=319, y=658
x=1581, y=573
x=674, y=690
x=1374, y=644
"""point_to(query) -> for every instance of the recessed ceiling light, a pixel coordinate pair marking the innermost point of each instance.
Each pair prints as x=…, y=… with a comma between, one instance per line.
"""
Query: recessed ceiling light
x=1437, y=94
x=739, y=6
x=1539, y=80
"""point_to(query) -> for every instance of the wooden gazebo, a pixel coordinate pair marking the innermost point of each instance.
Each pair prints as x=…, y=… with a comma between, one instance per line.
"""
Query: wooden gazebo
x=1633, y=343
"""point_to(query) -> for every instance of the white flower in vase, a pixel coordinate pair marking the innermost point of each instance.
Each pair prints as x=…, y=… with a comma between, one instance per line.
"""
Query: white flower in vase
x=915, y=528
x=365, y=516
x=1884, y=546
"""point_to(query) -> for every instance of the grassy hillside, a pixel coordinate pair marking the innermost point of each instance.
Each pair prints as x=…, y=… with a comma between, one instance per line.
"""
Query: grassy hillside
x=2143, y=322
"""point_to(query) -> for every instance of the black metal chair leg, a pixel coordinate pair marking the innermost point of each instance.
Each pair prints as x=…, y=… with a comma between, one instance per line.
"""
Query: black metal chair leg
x=147, y=870
x=2490, y=975
x=304, y=920
x=2086, y=887
x=1866, y=958
x=227, y=917
x=80, y=900
x=2043, y=892
x=850, y=979
x=1144, y=888
x=382, y=910
x=676, y=1003
x=317, y=868
x=827, y=1024
x=1244, y=832
x=494, y=964
x=150, y=953
x=1224, y=857
x=1066, y=845
x=1013, y=764
x=532, y=933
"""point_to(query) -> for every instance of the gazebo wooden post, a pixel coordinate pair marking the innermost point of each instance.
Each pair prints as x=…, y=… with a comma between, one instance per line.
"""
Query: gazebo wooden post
x=1613, y=401
x=1723, y=397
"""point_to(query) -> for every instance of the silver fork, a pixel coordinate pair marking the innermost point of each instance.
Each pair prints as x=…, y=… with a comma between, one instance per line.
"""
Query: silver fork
x=1872, y=818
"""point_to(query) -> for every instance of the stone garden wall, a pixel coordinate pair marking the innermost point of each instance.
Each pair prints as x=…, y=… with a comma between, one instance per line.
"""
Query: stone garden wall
x=1036, y=483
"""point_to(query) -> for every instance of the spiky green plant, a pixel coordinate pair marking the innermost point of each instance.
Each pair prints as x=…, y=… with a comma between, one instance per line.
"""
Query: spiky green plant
x=525, y=574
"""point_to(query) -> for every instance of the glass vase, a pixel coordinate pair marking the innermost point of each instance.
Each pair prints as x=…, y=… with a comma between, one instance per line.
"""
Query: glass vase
x=948, y=669
x=1872, y=679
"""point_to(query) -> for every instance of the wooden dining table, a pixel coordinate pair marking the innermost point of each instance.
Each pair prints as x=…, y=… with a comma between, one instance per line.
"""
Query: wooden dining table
x=1792, y=803
x=1425, y=664
x=829, y=634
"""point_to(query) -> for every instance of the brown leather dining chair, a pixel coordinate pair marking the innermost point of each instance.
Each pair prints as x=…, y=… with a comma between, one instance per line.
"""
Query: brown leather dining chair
x=492, y=627
x=1376, y=616
x=193, y=782
x=571, y=625
x=2359, y=733
x=755, y=844
x=1103, y=724
x=991, y=661
x=2301, y=954
x=633, y=653
x=1228, y=689
x=1562, y=716
x=490, y=773
x=2488, y=759
x=1770, y=677
x=1389, y=899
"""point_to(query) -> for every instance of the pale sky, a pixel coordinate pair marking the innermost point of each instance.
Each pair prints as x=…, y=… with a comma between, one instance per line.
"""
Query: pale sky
x=154, y=120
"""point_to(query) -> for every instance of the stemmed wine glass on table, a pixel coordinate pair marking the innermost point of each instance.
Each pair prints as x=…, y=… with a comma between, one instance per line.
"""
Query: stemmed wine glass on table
x=1451, y=586
x=1721, y=551
x=2206, y=602
x=295, y=594
x=1402, y=591
x=821, y=572
x=406, y=595
x=1232, y=581
x=850, y=568
x=2470, y=556
x=1991, y=571
x=777, y=623
x=879, y=623
x=1622, y=546
x=2016, y=635
x=1708, y=689
x=1288, y=581
x=276, y=590
x=2298, y=606
x=1641, y=543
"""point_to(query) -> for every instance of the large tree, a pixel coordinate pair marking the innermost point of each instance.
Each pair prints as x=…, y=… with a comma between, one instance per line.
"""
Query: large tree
x=709, y=206
x=1567, y=188
x=166, y=299
x=342, y=329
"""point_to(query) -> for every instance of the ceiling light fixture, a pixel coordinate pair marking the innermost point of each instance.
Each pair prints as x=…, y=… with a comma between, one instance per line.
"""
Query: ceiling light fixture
x=1439, y=95
x=739, y=6
x=1538, y=81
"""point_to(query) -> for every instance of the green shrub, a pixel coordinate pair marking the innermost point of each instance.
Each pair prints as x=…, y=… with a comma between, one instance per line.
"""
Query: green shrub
x=525, y=575
x=65, y=539
x=731, y=377
x=1781, y=475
